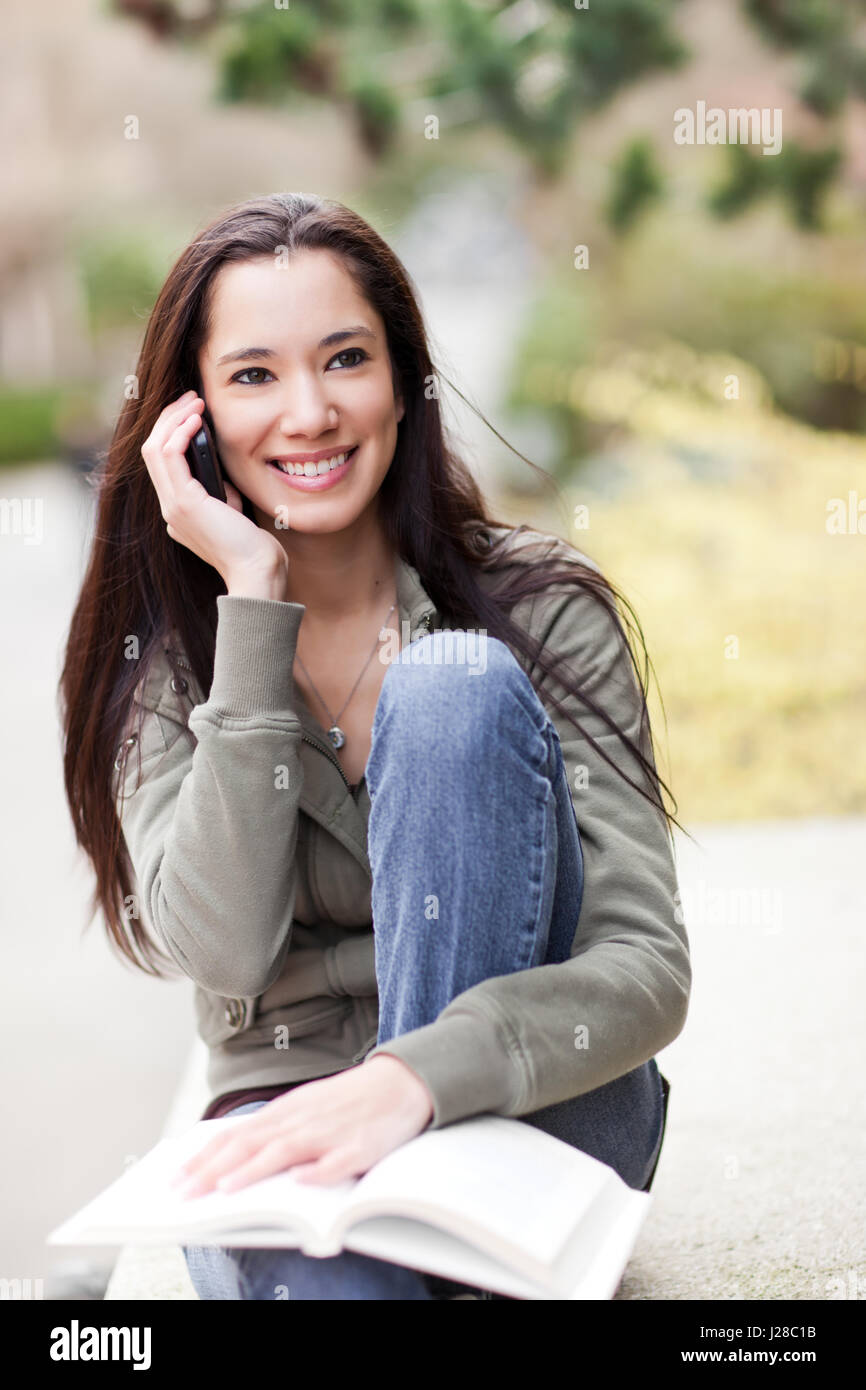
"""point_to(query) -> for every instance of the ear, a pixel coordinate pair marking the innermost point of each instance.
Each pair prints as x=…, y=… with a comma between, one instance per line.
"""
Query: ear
x=401, y=408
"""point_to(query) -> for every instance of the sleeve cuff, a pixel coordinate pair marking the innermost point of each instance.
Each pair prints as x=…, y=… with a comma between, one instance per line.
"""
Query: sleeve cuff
x=254, y=655
x=465, y=1064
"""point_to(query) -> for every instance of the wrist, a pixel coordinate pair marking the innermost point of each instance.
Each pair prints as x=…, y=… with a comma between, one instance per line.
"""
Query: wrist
x=419, y=1102
x=262, y=581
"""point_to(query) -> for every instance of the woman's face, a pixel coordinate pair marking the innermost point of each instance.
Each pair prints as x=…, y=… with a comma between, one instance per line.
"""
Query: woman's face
x=309, y=374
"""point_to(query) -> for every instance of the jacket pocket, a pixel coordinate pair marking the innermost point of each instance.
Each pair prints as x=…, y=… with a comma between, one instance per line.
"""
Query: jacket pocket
x=219, y=1018
x=220, y=1021
x=317, y=985
x=298, y=1019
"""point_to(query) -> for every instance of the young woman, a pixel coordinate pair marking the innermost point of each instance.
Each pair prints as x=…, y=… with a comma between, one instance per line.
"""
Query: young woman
x=373, y=769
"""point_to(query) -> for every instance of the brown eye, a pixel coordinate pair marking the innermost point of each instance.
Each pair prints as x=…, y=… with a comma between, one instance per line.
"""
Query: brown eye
x=347, y=352
x=246, y=372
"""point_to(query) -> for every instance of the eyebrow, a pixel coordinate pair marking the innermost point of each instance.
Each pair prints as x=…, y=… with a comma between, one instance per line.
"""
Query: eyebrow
x=358, y=330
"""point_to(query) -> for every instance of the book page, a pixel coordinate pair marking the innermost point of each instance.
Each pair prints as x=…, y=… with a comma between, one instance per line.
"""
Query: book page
x=144, y=1206
x=592, y=1264
x=512, y=1179
x=420, y=1246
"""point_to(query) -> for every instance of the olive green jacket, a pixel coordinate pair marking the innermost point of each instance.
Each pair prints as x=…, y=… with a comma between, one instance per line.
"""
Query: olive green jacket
x=249, y=851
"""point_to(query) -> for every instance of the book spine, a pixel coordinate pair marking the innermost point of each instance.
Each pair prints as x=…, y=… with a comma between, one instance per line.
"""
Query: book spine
x=321, y=1247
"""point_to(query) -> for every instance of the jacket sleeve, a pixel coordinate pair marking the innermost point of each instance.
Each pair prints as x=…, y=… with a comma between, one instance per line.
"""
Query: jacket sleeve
x=515, y=1043
x=211, y=827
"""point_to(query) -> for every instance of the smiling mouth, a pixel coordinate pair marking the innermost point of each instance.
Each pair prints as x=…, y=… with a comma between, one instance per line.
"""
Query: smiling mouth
x=313, y=470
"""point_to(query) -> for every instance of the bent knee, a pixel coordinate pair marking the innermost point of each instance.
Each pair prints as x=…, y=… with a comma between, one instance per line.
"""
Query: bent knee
x=451, y=658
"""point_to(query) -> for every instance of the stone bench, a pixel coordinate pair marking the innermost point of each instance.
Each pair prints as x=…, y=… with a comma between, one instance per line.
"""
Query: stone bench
x=159, y=1271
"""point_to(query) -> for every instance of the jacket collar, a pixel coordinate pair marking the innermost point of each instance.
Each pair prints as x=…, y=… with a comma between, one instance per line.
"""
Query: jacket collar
x=414, y=604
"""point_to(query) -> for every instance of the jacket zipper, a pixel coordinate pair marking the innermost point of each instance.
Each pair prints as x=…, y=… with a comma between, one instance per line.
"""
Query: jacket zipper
x=321, y=746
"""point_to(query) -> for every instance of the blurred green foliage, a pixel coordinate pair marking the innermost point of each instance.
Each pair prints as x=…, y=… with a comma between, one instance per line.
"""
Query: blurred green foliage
x=376, y=111
x=535, y=71
x=748, y=603
x=637, y=182
x=28, y=424
x=800, y=328
x=56, y=420
x=829, y=37
x=801, y=176
x=120, y=276
x=270, y=53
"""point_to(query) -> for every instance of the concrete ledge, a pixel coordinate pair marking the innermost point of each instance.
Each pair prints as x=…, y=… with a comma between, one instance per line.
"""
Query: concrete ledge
x=157, y=1272
x=150, y=1272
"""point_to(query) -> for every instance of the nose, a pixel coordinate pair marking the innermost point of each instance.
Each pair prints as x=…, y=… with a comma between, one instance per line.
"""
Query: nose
x=307, y=408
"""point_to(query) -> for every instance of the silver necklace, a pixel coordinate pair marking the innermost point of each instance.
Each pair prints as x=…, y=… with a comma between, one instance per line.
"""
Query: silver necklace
x=335, y=733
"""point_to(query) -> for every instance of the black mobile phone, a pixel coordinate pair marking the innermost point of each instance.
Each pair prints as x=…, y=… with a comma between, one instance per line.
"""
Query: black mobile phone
x=203, y=459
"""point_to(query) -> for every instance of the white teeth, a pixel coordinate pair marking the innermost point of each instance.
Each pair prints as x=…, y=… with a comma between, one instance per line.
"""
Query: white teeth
x=312, y=470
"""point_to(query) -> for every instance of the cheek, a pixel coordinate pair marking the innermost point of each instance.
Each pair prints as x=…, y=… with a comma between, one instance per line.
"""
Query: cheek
x=377, y=412
x=237, y=442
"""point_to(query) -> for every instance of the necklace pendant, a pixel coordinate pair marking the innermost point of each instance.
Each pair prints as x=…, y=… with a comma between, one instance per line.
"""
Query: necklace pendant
x=337, y=737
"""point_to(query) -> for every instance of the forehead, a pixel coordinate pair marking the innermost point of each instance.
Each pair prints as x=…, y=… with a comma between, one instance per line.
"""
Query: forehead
x=308, y=295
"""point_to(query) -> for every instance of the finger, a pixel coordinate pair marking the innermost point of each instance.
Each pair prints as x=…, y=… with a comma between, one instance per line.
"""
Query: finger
x=332, y=1167
x=192, y=1168
x=173, y=412
x=237, y=1153
x=274, y=1157
x=175, y=466
x=170, y=418
x=208, y=1153
x=164, y=472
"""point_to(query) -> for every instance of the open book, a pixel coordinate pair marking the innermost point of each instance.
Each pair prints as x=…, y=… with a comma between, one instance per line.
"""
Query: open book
x=488, y=1201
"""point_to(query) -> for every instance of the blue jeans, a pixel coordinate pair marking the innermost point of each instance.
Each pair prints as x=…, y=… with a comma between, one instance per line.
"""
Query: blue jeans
x=463, y=753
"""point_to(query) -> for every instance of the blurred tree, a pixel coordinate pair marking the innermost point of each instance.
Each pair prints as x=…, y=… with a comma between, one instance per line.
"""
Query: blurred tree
x=636, y=183
x=114, y=275
x=535, y=67
x=802, y=176
x=829, y=35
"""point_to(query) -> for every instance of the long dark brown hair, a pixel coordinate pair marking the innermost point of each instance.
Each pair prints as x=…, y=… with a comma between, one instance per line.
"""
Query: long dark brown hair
x=140, y=583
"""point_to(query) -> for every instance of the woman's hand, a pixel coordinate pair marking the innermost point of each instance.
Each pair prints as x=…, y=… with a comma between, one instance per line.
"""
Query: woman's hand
x=219, y=534
x=324, y=1131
